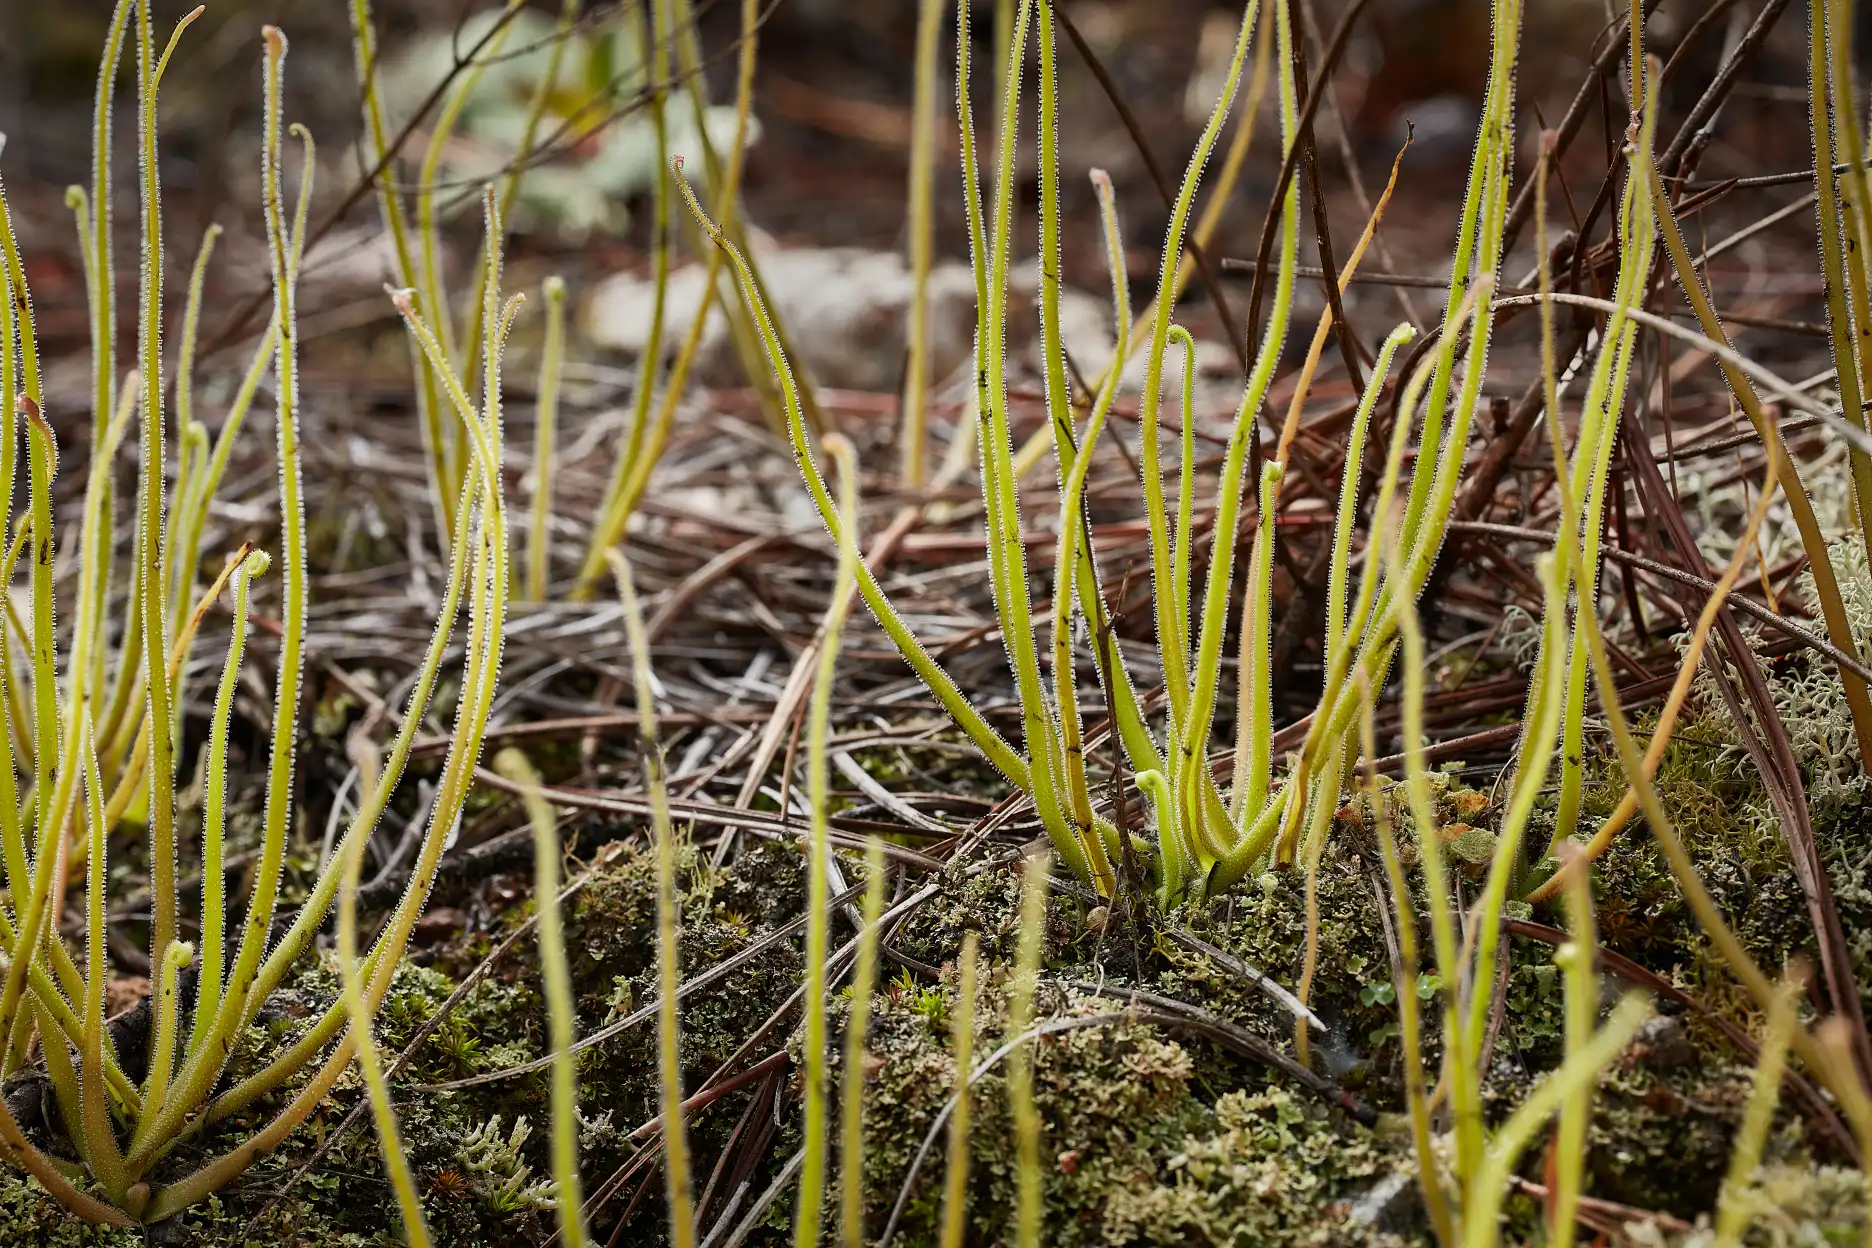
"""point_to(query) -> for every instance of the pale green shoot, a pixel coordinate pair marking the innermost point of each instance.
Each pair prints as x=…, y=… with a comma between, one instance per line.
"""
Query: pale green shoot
x=556, y=977
x=613, y=512
x=806, y=1218
x=1030, y=1178
x=676, y=1168
x=962, y=1042
x=1733, y=1212
x=1599, y=420
x=545, y=440
x=857, y=1025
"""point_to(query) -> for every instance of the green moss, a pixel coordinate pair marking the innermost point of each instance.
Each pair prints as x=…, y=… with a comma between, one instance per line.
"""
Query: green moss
x=985, y=902
x=344, y=1200
x=1726, y=822
x=1661, y=1138
x=1138, y=1150
x=1149, y=1137
x=29, y=1216
x=611, y=942
x=1803, y=1206
x=1267, y=1169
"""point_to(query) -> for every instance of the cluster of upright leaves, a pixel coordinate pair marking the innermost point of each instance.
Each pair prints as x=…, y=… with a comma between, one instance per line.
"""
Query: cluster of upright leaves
x=672, y=27
x=1481, y=1161
x=666, y=30
x=418, y=247
x=1828, y=70
x=679, y=1185
x=1464, y=1204
x=1600, y=412
x=101, y=746
x=1203, y=842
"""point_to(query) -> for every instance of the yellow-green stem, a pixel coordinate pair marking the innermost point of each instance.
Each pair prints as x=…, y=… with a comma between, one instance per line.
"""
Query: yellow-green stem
x=678, y=1186
x=1582, y=1066
x=613, y=513
x=806, y=1219
x=556, y=977
x=214, y=812
x=962, y=1044
x=545, y=439
x=852, y=1067
x=1733, y=1206
x=1577, y=959
x=913, y=438
x=1030, y=1178
x=370, y=1065
x=395, y=215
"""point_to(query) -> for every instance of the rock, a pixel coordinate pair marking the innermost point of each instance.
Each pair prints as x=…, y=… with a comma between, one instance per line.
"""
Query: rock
x=847, y=311
x=845, y=308
x=1393, y=1204
x=352, y=263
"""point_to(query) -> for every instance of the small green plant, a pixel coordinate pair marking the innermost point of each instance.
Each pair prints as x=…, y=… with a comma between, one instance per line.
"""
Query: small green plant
x=679, y=1184
x=1203, y=843
x=806, y=1220
x=962, y=1041
x=556, y=975
x=673, y=21
x=545, y=442
x=857, y=1027
x=99, y=746
x=924, y=999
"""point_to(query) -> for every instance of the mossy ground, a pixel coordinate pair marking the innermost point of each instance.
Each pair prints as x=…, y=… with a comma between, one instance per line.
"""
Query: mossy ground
x=1152, y=1136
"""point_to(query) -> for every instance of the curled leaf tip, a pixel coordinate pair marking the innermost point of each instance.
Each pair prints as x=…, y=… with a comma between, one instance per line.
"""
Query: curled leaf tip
x=275, y=41
x=1101, y=179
